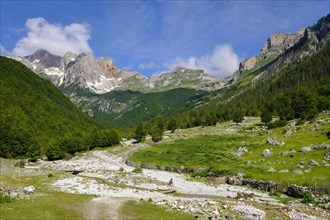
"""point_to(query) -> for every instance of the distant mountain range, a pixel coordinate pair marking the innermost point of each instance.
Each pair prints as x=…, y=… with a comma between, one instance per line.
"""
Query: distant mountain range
x=104, y=91
x=102, y=76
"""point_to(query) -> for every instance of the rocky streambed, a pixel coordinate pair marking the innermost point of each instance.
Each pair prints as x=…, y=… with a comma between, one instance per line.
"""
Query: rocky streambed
x=107, y=176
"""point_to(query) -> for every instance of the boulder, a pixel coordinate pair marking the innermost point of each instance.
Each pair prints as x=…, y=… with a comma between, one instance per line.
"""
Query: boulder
x=13, y=194
x=308, y=170
x=306, y=149
x=240, y=152
x=271, y=170
x=235, y=180
x=296, y=191
x=296, y=215
x=288, y=133
x=291, y=153
x=313, y=162
x=260, y=184
x=272, y=141
x=283, y=171
x=298, y=172
x=29, y=190
x=249, y=212
x=267, y=153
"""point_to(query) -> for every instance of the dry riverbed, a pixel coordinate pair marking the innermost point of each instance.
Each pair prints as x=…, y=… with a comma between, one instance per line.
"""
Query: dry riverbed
x=106, y=176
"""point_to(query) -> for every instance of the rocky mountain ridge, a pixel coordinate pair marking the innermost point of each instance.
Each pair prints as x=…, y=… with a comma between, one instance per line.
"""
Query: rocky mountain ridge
x=102, y=76
x=280, y=49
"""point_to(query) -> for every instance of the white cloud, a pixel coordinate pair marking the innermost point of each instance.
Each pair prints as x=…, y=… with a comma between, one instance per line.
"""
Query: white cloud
x=150, y=65
x=55, y=38
x=222, y=62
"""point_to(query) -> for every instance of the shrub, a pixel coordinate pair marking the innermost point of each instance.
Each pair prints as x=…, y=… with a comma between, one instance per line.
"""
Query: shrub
x=55, y=153
x=307, y=197
x=4, y=198
x=277, y=124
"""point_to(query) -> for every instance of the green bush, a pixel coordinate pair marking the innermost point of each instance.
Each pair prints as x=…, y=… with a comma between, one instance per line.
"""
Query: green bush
x=55, y=153
x=307, y=197
x=277, y=124
x=5, y=198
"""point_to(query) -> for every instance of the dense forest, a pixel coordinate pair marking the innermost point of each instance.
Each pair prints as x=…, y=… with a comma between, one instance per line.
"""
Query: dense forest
x=37, y=119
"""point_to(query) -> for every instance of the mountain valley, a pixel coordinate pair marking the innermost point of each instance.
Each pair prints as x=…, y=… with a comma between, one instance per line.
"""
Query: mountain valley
x=105, y=142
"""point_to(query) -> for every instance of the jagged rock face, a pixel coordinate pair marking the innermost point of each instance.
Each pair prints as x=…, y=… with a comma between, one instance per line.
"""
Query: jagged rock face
x=248, y=63
x=68, y=58
x=44, y=58
x=103, y=76
x=281, y=42
x=275, y=45
x=282, y=49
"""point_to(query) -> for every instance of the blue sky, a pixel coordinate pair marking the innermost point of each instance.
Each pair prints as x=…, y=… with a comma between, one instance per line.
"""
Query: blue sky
x=154, y=36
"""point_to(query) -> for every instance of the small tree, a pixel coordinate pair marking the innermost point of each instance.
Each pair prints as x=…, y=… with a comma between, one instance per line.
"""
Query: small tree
x=238, y=117
x=172, y=125
x=266, y=116
x=140, y=132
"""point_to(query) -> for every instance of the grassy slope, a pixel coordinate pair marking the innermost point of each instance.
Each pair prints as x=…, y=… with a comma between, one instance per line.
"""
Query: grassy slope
x=215, y=153
x=135, y=107
x=34, y=112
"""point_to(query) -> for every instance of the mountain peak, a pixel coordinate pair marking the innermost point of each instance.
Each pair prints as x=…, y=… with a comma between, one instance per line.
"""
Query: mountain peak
x=44, y=58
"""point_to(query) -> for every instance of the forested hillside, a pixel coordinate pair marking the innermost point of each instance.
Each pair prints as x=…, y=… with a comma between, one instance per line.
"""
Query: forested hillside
x=300, y=90
x=37, y=119
x=125, y=109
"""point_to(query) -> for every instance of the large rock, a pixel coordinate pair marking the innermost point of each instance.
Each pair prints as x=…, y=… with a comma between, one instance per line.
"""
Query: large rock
x=29, y=190
x=235, y=180
x=313, y=162
x=298, y=172
x=267, y=153
x=272, y=141
x=260, y=184
x=296, y=191
x=271, y=170
x=249, y=212
x=295, y=215
x=306, y=149
x=240, y=152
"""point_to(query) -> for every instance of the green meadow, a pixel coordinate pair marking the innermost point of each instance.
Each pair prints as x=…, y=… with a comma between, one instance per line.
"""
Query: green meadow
x=215, y=153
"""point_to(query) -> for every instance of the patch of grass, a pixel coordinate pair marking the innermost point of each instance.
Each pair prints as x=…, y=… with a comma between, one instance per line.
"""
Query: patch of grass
x=51, y=205
x=214, y=153
x=147, y=210
x=46, y=202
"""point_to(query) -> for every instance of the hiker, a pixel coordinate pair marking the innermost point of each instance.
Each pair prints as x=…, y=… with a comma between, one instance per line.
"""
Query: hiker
x=170, y=182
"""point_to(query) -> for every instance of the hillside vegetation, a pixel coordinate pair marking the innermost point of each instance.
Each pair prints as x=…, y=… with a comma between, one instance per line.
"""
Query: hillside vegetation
x=300, y=90
x=37, y=119
x=212, y=152
x=125, y=109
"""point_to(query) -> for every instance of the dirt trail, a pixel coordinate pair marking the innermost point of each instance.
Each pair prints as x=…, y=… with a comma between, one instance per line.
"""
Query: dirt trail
x=103, y=208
